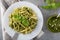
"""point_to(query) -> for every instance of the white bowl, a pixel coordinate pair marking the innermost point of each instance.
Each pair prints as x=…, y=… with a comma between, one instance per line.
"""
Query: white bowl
x=38, y=28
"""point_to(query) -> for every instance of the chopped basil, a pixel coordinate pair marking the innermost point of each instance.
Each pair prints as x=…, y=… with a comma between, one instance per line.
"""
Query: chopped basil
x=51, y=4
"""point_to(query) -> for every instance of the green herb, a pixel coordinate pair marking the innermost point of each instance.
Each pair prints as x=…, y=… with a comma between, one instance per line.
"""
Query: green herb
x=22, y=19
x=51, y=4
x=25, y=21
x=50, y=1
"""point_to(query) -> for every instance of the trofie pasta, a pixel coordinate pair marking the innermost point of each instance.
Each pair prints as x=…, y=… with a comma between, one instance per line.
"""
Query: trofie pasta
x=23, y=20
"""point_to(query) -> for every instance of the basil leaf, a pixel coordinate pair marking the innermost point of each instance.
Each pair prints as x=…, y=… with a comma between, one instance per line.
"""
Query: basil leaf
x=57, y=4
x=52, y=6
x=46, y=7
x=50, y=1
x=25, y=22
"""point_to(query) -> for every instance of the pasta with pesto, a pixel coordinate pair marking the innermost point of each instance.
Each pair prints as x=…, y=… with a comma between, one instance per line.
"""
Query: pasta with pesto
x=23, y=20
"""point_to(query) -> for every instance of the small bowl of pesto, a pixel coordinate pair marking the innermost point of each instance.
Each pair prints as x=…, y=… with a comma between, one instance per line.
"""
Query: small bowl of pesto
x=53, y=24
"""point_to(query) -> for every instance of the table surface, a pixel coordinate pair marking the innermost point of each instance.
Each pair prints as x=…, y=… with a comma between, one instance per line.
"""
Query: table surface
x=46, y=13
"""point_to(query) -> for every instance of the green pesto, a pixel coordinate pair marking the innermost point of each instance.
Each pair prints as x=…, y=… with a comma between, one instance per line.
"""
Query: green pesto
x=55, y=28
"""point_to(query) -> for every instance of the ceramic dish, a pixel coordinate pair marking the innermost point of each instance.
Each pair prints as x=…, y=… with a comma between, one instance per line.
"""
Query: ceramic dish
x=38, y=28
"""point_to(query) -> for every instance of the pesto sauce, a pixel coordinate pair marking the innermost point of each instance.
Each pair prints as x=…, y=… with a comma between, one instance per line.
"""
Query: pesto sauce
x=54, y=23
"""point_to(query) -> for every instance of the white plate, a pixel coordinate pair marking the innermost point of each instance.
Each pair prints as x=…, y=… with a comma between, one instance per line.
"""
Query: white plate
x=38, y=28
